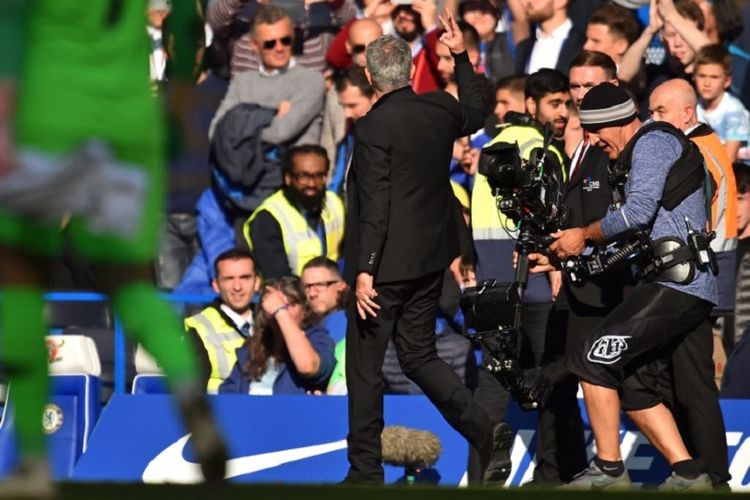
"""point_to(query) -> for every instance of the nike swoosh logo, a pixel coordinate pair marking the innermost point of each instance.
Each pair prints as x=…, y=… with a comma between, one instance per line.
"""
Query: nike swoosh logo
x=170, y=466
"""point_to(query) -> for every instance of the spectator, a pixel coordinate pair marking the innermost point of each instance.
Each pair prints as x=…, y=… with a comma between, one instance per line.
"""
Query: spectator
x=229, y=18
x=355, y=96
x=717, y=107
x=288, y=353
x=335, y=127
x=445, y=63
x=245, y=171
x=509, y=96
x=361, y=33
x=611, y=30
x=222, y=327
x=415, y=23
x=325, y=291
x=680, y=24
x=157, y=12
x=296, y=92
x=299, y=221
x=495, y=58
x=554, y=43
x=189, y=170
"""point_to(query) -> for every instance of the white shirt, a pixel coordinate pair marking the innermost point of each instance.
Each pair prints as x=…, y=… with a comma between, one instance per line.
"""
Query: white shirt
x=157, y=59
x=578, y=154
x=547, y=48
x=238, y=319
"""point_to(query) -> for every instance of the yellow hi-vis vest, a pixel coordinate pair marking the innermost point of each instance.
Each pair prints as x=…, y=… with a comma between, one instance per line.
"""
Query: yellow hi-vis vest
x=221, y=341
x=301, y=243
x=486, y=220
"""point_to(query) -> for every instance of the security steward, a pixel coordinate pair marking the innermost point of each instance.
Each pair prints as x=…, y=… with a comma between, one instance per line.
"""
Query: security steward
x=561, y=448
x=664, y=197
x=222, y=327
x=300, y=221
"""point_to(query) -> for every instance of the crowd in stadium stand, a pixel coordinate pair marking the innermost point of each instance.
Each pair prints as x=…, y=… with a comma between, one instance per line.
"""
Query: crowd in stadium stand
x=256, y=211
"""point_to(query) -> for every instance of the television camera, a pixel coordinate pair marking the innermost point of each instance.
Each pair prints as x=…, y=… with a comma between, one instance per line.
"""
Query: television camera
x=529, y=193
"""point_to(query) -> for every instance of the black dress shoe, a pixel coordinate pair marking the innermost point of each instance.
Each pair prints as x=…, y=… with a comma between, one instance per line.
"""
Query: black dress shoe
x=499, y=465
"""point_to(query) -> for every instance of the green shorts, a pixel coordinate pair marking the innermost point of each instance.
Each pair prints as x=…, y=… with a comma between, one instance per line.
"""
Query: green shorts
x=46, y=239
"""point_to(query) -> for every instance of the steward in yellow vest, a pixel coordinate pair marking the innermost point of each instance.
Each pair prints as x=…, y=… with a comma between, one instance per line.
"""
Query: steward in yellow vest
x=225, y=325
x=220, y=339
x=299, y=221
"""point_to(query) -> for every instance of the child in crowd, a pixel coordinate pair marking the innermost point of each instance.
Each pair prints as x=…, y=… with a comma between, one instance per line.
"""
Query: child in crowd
x=717, y=107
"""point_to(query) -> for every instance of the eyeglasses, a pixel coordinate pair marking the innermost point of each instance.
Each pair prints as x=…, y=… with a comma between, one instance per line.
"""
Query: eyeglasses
x=305, y=176
x=286, y=41
x=359, y=48
x=319, y=286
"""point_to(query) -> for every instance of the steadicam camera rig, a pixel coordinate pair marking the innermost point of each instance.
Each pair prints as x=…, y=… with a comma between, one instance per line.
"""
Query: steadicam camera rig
x=529, y=194
x=665, y=259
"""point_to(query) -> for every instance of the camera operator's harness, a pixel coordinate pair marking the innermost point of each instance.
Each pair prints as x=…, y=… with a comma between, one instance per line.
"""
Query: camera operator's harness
x=530, y=194
x=664, y=259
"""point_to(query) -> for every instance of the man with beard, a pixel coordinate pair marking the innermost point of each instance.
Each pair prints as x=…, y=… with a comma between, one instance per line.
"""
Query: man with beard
x=415, y=24
x=300, y=221
x=547, y=102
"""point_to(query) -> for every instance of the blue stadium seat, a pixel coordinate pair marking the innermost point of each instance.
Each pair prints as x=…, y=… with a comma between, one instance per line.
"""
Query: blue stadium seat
x=150, y=378
x=146, y=383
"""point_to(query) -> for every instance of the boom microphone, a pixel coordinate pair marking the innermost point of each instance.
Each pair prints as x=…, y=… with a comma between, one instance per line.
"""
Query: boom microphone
x=410, y=448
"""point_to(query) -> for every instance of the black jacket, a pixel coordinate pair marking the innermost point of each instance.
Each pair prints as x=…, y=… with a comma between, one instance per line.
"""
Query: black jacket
x=403, y=220
x=242, y=173
x=588, y=197
x=570, y=49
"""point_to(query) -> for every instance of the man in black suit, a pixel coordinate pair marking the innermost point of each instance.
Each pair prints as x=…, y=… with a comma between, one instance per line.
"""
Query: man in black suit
x=402, y=233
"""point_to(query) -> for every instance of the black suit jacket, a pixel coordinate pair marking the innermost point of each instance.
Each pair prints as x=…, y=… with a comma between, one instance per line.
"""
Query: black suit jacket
x=588, y=197
x=403, y=220
x=570, y=49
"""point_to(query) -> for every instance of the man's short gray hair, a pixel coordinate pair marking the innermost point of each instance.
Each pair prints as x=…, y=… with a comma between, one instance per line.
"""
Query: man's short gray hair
x=389, y=63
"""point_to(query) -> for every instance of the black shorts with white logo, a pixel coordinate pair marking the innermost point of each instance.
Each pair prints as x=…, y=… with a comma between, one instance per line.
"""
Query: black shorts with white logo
x=651, y=318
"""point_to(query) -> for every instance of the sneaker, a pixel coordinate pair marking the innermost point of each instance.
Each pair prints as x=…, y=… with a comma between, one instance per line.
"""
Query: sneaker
x=499, y=465
x=675, y=482
x=593, y=478
x=207, y=441
x=32, y=480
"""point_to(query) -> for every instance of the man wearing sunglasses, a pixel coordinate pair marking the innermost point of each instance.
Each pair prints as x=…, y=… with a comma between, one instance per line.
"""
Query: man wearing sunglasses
x=296, y=92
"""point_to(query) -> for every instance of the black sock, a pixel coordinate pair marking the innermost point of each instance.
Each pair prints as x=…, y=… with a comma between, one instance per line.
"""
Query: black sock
x=614, y=469
x=687, y=468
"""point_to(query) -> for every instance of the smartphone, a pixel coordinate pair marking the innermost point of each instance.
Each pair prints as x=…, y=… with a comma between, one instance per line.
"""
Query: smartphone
x=402, y=2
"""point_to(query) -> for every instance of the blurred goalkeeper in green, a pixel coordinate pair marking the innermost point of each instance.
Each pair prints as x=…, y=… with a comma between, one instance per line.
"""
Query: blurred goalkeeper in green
x=82, y=135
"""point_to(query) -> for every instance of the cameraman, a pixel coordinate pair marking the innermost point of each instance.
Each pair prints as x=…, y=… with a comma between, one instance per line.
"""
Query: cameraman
x=663, y=194
x=547, y=102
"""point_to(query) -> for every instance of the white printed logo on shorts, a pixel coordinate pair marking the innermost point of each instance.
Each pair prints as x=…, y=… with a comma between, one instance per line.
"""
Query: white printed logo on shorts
x=608, y=349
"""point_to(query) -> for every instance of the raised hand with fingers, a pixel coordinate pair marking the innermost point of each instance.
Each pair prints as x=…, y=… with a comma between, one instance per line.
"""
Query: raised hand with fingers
x=452, y=38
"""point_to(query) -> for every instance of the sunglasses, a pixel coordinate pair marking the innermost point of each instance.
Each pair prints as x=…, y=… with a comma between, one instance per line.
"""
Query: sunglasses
x=358, y=49
x=286, y=41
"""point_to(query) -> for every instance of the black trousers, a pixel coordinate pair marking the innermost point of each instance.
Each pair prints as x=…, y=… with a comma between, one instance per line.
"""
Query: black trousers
x=560, y=449
x=407, y=315
x=683, y=376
